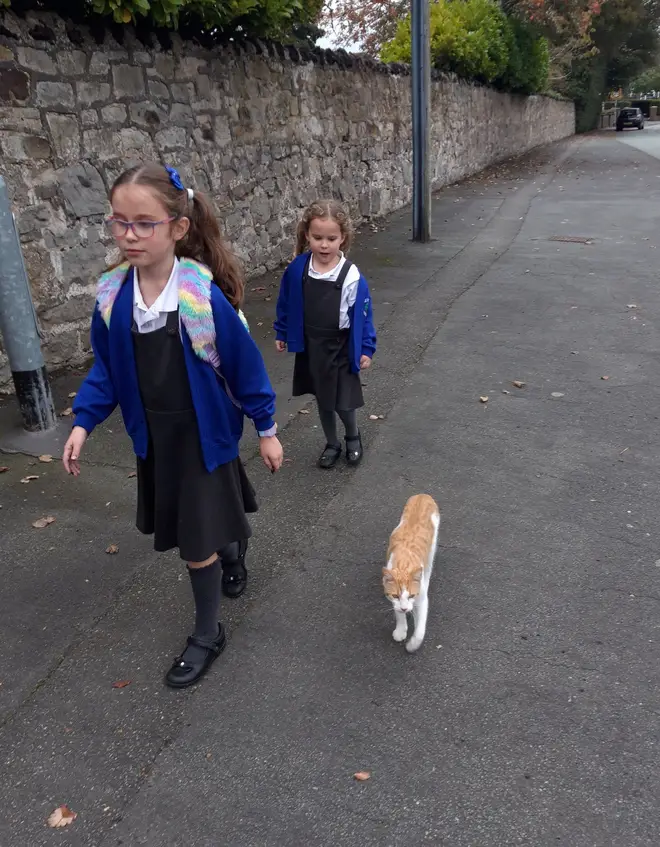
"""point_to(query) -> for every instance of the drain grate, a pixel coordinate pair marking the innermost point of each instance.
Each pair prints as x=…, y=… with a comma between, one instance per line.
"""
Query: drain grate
x=572, y=239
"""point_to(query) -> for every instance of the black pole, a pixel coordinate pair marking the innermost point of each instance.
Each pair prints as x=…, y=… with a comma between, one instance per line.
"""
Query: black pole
x=19, y=330
x=421, y=90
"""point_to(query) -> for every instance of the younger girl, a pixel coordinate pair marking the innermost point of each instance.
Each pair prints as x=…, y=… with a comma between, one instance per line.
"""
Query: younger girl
x=171, y=350
x=324, y=316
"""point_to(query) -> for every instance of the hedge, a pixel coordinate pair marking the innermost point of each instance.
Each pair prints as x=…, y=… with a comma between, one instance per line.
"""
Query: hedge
x=477, y=41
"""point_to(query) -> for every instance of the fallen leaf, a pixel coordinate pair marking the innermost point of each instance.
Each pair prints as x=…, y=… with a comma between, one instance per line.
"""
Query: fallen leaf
x=506, y=392
x=260, y=288
x=122, y=683
x=4, y=469
x=557, y=394
x=132, y=474
x=45, y=459
x=604, y=377
x=483, y=399
x=631, y=306
x=42, y=523
x=67, y=412
x=362, y=776
x=62, y=816
x=112, y=550
x=303, y=412
x=27, y=479
x=72, y=395
x=517, y=383
x=373, y=417
x=381, y=417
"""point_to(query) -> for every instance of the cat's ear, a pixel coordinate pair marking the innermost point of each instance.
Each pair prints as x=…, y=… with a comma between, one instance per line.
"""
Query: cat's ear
x=388, y=579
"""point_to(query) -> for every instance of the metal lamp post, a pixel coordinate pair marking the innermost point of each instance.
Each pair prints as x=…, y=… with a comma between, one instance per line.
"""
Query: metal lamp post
x=421, y=90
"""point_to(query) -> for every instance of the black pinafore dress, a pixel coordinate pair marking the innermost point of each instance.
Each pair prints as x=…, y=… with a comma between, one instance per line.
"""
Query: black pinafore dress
x=179, y=502
x=323, y=368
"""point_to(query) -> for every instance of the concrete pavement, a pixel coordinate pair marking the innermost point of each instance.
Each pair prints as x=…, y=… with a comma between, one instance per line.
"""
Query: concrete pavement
x=529, y=717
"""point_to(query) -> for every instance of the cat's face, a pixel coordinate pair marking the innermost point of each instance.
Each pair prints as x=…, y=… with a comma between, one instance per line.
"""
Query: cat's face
x=401, y=589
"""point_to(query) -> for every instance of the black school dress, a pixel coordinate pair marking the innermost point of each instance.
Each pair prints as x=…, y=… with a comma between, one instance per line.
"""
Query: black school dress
x=179, y=501
x=323, y=368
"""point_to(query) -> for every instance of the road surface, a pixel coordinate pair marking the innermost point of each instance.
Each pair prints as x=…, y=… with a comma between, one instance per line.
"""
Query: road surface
x=530, y=715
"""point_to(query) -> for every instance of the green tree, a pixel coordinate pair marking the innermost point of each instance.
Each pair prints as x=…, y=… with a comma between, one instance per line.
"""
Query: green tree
x=646, y=82
x=476, y=40
x=279, y=19
x=625, y=39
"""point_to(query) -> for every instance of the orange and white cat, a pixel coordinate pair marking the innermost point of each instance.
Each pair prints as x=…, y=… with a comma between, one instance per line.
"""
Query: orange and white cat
x=409, y=564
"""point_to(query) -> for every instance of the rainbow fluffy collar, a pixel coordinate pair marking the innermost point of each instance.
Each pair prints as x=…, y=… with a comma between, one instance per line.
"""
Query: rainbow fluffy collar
x=195, y=310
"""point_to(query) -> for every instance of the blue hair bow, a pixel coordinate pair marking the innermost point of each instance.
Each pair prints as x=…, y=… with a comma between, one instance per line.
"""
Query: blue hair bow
x=175, y=179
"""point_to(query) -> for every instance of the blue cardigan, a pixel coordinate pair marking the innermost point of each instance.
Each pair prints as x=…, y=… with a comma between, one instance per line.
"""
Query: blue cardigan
x=113, y=380
x=289, y=323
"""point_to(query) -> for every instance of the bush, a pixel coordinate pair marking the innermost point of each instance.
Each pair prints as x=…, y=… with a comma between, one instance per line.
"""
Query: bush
x=529, y=60
x=212, y=19
x=477, y=41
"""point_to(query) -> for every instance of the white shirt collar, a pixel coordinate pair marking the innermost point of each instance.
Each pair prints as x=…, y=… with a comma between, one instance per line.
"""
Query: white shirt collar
x=331, y=274
x=167, y=300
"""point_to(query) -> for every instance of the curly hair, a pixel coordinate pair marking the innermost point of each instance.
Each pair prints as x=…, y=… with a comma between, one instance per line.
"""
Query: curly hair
x=326, y=210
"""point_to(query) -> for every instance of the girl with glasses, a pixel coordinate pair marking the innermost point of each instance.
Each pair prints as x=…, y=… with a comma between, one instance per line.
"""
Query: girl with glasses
x=172, y=351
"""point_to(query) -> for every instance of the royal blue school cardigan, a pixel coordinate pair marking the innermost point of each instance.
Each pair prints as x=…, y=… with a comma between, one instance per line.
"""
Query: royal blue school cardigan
x=289, y=323
x=113, y=380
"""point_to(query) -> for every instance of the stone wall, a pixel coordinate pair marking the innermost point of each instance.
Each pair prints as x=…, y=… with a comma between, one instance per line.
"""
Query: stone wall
x=263, y=129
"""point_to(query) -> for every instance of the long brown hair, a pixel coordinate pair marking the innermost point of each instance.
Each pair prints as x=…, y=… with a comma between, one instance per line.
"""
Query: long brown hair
x=326, y=210
x=203, y=241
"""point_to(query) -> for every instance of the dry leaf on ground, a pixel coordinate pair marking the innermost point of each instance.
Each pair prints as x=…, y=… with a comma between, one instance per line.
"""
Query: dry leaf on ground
x=362, y=776
x=483, y=399
x=373, y=417
x=62, y=816
x=132, y=474
x=45, y=459
x=42, y=523
x=4, y=469
x=121, y=684
x=517, y=383
x=259, y=288
x=72, y=395
x=67, y=412
x=303, y=412
x=112, y=550
x=604, y=377
x=30, y=478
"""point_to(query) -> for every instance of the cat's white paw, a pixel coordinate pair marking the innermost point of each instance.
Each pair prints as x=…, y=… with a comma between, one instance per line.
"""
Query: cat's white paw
x=399, y=634
x=414, y=644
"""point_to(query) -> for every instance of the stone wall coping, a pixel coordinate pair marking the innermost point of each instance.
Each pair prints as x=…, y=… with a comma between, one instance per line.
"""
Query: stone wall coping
x=42, y=28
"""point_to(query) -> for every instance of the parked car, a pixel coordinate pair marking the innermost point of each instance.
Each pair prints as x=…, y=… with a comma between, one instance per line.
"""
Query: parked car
x=630, y=117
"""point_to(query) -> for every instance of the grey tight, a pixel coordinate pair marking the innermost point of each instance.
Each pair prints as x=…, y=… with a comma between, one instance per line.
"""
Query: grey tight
x=329, y=424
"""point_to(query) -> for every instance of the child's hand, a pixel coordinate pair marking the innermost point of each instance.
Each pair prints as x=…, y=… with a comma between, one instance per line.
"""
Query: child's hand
x=271, y=452
x=365, y=362
x=72, y=450
x=280, y=346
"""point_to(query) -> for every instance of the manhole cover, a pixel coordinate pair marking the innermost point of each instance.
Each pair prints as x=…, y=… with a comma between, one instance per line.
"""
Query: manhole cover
x=572, y=239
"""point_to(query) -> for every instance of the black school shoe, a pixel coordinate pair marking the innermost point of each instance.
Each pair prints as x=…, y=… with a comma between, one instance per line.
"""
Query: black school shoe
x=234, y=573
x=354, y=451
x=184, y=673
x=329, y=457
